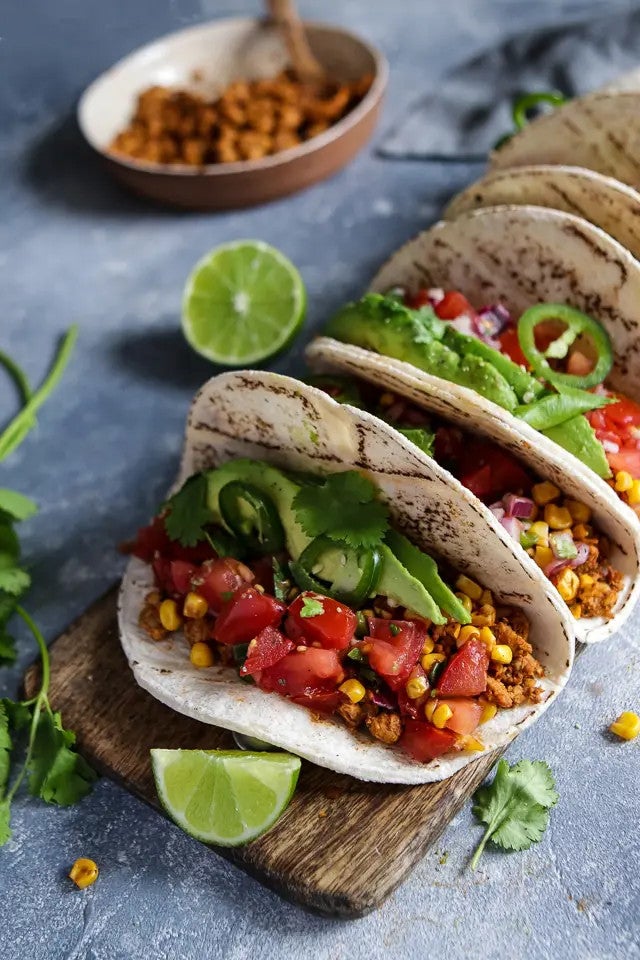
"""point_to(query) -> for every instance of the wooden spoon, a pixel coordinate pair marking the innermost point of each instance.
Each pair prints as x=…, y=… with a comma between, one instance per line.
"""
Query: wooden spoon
x=304, y=62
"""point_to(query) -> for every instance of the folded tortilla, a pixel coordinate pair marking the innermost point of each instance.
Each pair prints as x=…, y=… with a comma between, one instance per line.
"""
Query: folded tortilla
x=294, y=426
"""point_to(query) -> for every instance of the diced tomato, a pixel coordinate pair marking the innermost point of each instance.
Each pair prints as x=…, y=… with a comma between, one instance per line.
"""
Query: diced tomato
x=333, y=629
x=578, y=364
x=181, y=574
x=480, y=482
x=495, y=472
x=465, y=714
x=619, y=424
x=268, y=648
x=304, y=674
x=152, y=541
x=319, y=701
x=449, y=444
x=452, y=305
x=407, y=706
x=465, y=675
x=218, y=580
x=395, y=646
x=423, y=741
x=162, y=574
x=417, y=300
x=623, y=413
x=510, y=345
x=263, y=572
x=628, y=458
x=245, y=615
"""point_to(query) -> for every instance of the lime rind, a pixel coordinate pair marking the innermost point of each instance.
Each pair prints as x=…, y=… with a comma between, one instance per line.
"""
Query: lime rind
x=224, y=797
x=243, y=302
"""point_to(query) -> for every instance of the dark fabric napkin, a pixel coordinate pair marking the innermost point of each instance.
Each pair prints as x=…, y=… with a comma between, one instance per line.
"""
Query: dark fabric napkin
x=464, y=114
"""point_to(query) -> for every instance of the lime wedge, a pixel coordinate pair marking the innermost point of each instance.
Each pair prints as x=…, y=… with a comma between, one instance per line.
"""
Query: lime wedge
x=243, y=302
x=226, y=797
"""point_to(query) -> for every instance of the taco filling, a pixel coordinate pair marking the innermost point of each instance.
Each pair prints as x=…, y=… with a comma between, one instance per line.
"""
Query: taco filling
x=549, y=368
x=556, y=531
x=302, y=585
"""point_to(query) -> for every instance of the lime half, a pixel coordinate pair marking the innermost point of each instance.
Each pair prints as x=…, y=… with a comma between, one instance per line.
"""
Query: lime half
x=243, y=302
x=226, y=797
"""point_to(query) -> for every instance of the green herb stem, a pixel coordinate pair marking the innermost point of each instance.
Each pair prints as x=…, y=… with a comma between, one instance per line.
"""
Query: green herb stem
x=18, y=376
x=480, y=848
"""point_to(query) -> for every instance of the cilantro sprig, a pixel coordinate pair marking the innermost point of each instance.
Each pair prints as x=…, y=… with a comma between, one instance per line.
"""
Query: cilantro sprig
x=344, y=508
x=515, y=806
x=188, y=513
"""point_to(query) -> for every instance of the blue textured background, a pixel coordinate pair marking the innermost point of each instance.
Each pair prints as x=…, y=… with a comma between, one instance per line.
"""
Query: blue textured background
x=74, y=248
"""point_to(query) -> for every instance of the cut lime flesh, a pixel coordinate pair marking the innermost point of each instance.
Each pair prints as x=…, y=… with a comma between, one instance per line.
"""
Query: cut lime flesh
x=225, y=797
x=243, y=302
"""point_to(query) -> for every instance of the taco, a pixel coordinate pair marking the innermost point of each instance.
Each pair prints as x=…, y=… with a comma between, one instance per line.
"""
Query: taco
x=531, y=315
x=564, y=521
x=345, y=598
x=609, y=204
x=599, y=131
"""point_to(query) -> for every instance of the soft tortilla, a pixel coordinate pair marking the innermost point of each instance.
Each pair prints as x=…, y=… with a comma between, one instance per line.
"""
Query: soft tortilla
x=609, y=204
x=600, y=131
x=275, y=418
x=473, y=413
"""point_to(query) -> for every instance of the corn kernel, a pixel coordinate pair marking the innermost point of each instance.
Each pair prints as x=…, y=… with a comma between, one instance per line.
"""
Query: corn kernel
x=169, y=616
x=633, y=494
x=416, y=687
x=201, y=655
x=466, y=601
x=557, y=517
x=627, y=726
x=489, y=711
x=586, y=580
x=576, y=610
x=623, y=481
x=581, y=532
x=501, y=653
x=469, y=587
x=387, y=399
x=544, y=556
x=486, y=598
x=441, y=715
x=428, y=645
x=488, y=637
x=430, y=708
x=84, y=872
x=567, y=585
x=429, y=659
x=353, y=689
x=580, y=512
x=540, y=531
x=454, y=630
x=195, y=607
x=484, y=617
x=471, y=744
x=543, y=493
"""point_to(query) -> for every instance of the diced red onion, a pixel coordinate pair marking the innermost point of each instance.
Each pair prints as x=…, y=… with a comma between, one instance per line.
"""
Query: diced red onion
x=491, y=321
x=515, y=506
x=513, y=527
x=555, y=567
x=464, y=324
x=435, y=295
x=610, y=446
x=557, y=539
x=497, y=510
x=582, y=555
x=382, y=700
x=395, y=411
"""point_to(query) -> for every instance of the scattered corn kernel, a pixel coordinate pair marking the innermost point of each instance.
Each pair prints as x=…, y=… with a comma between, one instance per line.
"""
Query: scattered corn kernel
x=201, y=655
x=387, y=399
x=586, y=580
x=627, y=726
x=501, y=653
x=353, y=690
x=195, y=607
x=84, y=872
x=485, y=616
x=469, y=587
x=557, y=517
x=429, y=659
x=581, y=532
x=416, y=687
x=489, y=711
x=454, y=630
x=441, y=715
x=428, y=645
x=471, y=744
x=466, y=601
x=579, y=511
x=543, y=493
x=169, y=616
x=540, y=530
x=430, y=708
x=623, y=481
x=567, y=585
x=467, y=633
x=543, y=556
x=486, y=598
x=576, y=610
x=488, y=637
x=633, y=494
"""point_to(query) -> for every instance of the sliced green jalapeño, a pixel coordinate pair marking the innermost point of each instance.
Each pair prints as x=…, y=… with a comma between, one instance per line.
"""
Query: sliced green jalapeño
x=576, y=324
x=252, y=517
x=368, y=563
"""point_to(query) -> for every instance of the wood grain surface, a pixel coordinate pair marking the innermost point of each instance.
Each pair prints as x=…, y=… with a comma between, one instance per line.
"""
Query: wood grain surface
x=341, y=847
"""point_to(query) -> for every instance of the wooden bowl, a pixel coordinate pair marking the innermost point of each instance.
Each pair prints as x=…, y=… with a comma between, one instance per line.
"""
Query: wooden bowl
x=205, y=59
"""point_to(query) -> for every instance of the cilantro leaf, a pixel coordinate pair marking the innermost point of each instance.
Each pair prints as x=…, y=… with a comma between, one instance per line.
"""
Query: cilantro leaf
x=57, y=773
x=188, y=512
x=7, y=643
x=423, y=439
x=343, y=508
x=16, y=505
x=515, y=806
x=13, y=579
x=281, y=580
x=311, y=607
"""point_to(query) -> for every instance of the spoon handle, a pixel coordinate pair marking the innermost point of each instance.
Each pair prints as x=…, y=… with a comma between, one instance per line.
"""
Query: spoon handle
x=304, y=62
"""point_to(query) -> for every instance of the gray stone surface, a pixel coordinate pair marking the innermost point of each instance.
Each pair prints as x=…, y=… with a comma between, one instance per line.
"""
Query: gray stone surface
x=74, y=248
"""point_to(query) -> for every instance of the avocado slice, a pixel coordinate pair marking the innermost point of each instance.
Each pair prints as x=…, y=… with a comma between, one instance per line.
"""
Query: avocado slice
x=521, y=382
x=424, y=568
x=396, y=582
x=578, y=437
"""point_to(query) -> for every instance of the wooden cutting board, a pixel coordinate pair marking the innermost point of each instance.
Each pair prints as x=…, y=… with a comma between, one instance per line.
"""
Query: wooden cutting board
x=341, y=847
